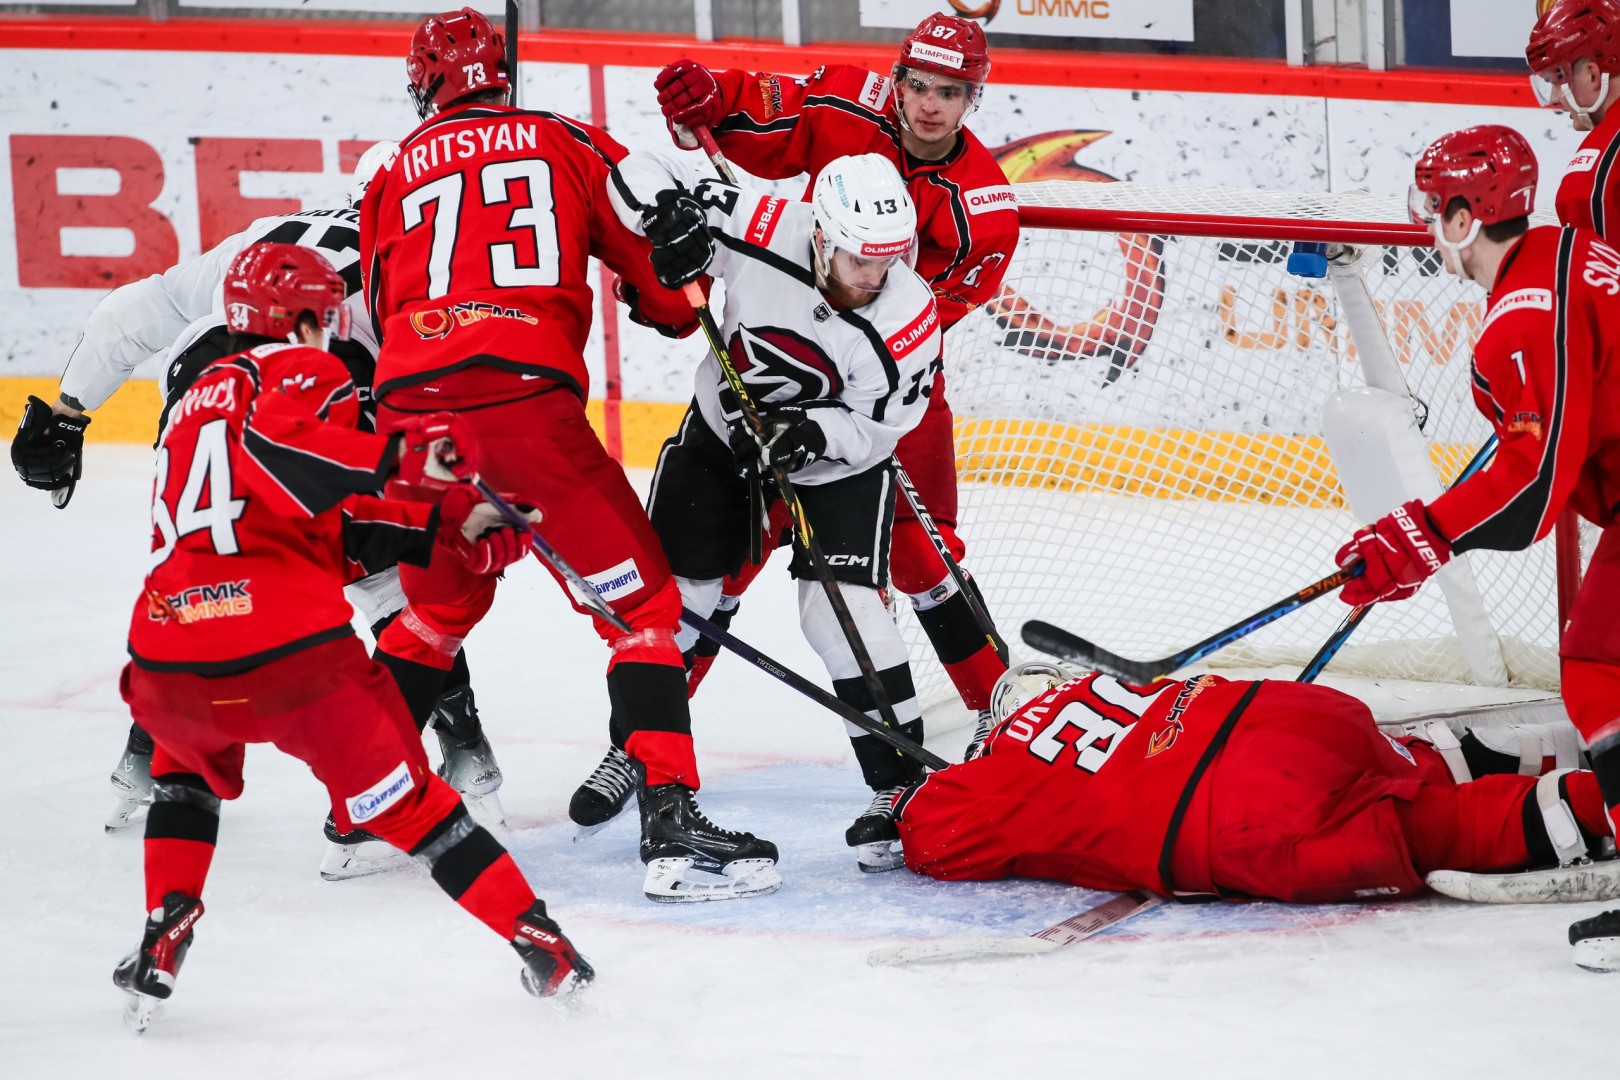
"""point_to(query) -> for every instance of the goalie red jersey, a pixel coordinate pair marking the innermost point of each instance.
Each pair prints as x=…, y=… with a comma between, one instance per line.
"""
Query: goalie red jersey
x=967, y=214
x=464, y=259
x=257, y=517
x=1545, y=376
x=1238, y=790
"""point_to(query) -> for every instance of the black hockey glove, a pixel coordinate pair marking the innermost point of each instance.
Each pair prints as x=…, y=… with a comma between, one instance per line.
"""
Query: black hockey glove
x=679, y=232
x=48, y=451
x=793, y=441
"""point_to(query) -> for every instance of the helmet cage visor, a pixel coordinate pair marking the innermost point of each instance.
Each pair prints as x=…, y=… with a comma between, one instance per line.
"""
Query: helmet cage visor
x=1423, y=207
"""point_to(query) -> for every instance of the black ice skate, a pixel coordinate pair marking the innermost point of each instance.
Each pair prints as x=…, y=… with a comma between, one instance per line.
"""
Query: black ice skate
x=875, y=837
x=604, y=794
x=552, y=967
x=147, y=975
x=1597, y=942
x=981, y=734
x=691, y=858
x=469, y=761
x=131, y=781
x=356, y=853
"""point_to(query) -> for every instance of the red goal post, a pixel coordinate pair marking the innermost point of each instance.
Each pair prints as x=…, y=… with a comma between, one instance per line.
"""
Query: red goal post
x=1140, y=445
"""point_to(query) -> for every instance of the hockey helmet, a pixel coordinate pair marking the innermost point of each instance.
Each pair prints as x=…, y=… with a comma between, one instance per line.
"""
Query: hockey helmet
x=947, y=45
x=1023, y=683
x=865, y=221
x=1491, y=166
x=269, y=286
x=1567, y=32
x=452, y=55
x=377, y=158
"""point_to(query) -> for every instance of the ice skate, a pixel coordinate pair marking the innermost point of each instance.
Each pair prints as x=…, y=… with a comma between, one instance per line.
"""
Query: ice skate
x=981, y=733
x=1597, y=942
x=552, y=967
x=604, y=794
x=690, y=858
x=131, y=781
x=875, y=837
x=147, y=975
x=356, y=853
x=469, y=761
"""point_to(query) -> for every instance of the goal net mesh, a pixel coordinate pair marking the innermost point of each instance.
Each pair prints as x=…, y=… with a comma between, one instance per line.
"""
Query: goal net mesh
x=1139, y=436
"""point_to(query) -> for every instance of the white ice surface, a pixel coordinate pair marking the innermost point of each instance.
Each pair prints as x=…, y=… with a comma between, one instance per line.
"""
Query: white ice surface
x=293, y=976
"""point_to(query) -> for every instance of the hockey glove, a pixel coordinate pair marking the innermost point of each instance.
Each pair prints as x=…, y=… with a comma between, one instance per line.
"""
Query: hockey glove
x=1400, y=550
x=688, y=95
x=478, y=534
x=679, y=232
x=437, y=450
x=793, y=441
x=48, y=450
x=551, y=964
x=630, y=296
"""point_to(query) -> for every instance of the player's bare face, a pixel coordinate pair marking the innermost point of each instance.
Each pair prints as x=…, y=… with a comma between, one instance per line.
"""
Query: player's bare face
x=933, y=106
x=854, y=281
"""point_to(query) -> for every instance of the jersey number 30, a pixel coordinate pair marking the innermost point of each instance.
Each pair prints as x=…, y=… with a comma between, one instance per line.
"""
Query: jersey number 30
x=495, y=182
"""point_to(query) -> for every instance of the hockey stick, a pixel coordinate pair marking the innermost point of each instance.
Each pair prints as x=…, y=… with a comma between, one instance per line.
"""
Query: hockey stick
x=586, y=592
x=1070, y=930
x=1330, y=648
x=810, y=690
x=801, y=523
x=512, y=49
x=955, y=568
x=706, y=140
x=1059, y=642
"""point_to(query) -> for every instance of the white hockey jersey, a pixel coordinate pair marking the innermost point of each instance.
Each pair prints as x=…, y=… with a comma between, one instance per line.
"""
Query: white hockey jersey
x=167, y=312
x=866, y=373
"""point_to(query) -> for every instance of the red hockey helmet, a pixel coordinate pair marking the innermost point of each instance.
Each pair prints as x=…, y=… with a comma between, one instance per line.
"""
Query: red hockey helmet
x=1571, y=30
x=947, y=45
x=1491, y=166
x=270, y=285
x=452, y=55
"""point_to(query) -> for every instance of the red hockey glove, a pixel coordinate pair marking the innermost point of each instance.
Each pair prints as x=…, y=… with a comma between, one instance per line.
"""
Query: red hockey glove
x=630, y=296
x=1400, y=551
x=478, y=534
x=551, y=964
x=688, y=95
x=437, y=450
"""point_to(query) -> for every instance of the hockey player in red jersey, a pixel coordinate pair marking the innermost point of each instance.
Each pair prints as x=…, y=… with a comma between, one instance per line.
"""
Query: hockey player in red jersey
x=776, y=127
x=1544, y=375
x=475, y=245
x=1574, y=54
x=241, y=633
x=1237, y=790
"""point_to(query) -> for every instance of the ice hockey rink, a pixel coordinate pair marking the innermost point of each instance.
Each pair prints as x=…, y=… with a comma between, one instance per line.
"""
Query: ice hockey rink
x=382, y=976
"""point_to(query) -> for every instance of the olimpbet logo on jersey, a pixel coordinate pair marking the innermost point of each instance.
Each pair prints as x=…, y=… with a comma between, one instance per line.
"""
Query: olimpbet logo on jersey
x=381, y=795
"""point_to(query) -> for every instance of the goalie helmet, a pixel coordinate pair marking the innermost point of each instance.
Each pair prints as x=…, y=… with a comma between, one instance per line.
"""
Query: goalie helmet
x=378, y=156
x=865, y=221
x=1023, y=683
x=452, y=55
x=270, y=285
x=1567, y=32
x=1490, y=166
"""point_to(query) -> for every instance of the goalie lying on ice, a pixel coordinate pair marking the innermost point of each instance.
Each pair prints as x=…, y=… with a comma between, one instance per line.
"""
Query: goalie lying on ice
x=1243, y=790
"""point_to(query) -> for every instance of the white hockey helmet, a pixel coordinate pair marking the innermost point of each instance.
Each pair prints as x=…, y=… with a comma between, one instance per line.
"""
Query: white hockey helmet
x=865, y=221
x=376, y=158
x=1023, y=683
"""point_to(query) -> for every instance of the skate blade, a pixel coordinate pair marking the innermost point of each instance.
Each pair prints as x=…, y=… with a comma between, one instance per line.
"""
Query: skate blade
x=674, y=880
x=585, y=832
x=123, y=815
x=1564, y=885
x=879, y=857
x=1599, y=954
x=139, y=1011
x=342, y=862
x=486, y=810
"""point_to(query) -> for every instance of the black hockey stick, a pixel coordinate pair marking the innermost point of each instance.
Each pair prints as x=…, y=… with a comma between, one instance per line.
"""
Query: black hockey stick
x=810, y=690
x=583, y=589
x=512, y=49
x=1330, y=648
x=801, y=523
x=955, y=568
x=1059, y=642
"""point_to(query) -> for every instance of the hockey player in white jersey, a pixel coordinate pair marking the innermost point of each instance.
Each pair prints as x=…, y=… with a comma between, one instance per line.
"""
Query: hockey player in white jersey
x=837, y=339
x=181, y=313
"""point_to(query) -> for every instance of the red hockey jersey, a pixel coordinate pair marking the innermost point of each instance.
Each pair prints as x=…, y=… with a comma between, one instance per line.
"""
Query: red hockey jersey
x=1546, y=376
x=967, y=215
x=1589, y=194
x=475, y=246
x=258, y=516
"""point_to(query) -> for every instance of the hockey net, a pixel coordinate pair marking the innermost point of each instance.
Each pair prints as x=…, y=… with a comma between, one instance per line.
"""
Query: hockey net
x=1139, y=429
